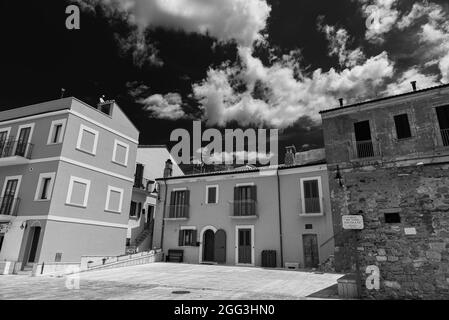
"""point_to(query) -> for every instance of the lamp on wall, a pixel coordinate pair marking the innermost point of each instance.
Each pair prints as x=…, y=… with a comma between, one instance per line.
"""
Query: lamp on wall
x=156, y=190
x=23, y=225
x=338, y=177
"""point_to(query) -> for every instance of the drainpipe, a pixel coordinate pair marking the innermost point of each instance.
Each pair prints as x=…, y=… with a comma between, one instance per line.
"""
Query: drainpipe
x=163, y=216
x=280, y=218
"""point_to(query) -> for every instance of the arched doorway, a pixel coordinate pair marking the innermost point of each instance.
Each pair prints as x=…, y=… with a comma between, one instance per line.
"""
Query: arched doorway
x=208, y=246
x=220, y=246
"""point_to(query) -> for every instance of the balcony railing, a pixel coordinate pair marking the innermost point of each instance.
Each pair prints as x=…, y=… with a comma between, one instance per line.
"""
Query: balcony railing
x=9, y=205
x=15, y=148
x=143, y=183
x=365, y=149
x=445, y=136
x=178, y=211
x=312, y=205
x=243, y=208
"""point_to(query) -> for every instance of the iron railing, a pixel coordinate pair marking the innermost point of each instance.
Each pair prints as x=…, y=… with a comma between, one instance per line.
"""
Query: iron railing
x=12, y=148
x=143, y=183
x=365, y=149
x=176, y=211
x=312, y=205
x=445, y=136
x=243, y=208
x=9, y=205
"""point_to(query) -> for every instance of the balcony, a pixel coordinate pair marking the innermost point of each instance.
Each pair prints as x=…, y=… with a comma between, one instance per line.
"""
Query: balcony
x=445, y=136
x=9, y=205
x=178, y=212
x=143, y=184
x=312, y=207
x=243, y=209
x=15, y=152
x=365, y=149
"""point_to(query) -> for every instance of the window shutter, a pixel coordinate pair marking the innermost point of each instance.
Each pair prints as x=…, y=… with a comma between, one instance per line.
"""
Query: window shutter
x=236, y=200
x=253, y=199
x=193, y=238
x=186, y=204
x=172, y=204
x=181, y=235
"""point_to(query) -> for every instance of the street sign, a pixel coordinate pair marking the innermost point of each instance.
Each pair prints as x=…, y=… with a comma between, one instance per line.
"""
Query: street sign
x=352, y=222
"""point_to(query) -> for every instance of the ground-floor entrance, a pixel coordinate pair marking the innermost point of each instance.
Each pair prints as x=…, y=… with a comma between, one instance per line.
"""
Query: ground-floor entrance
x=244, y=245
x=213, y=249
x=310, y=247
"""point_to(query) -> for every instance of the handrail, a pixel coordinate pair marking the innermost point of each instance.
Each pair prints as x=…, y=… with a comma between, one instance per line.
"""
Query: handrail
x=12, y=148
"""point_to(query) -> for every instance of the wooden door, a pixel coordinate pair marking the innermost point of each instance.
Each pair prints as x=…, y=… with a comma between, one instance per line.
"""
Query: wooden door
x=220, y=246
x=244, y=246
x=34, y=236
x=208, y=246
x=8, y=197
x=310, y=245
x=22, y=142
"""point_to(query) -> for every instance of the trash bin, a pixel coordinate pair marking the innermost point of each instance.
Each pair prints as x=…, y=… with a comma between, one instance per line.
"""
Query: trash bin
x=269, y=258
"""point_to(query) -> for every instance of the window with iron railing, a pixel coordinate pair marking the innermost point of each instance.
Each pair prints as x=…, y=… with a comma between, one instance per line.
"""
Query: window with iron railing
x=311, y=196
x=13, y=148
x=9, y=205
x=245, y=201
x=179, y=204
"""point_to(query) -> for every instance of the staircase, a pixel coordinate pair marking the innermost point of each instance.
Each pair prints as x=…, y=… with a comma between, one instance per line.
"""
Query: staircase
x=141, y=237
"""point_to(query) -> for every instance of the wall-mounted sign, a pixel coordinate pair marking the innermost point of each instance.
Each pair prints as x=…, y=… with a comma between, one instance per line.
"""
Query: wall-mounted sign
x=4, y=227
x=352, y=222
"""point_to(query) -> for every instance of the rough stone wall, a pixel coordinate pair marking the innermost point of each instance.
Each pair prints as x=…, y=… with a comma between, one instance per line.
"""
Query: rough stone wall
x=411, y=266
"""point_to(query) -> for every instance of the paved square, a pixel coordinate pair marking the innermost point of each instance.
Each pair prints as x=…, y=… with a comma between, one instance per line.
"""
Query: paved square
x=157, y=281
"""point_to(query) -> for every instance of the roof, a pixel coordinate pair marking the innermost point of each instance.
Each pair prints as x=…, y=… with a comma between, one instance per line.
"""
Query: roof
x=386, y=98
x=154, y=157
x=218, y=173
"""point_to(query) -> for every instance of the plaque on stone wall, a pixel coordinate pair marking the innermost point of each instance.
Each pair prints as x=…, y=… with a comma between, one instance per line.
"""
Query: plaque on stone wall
x=4, y=227
x=352, y=222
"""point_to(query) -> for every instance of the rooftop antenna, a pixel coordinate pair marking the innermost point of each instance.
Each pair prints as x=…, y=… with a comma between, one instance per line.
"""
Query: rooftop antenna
x=62, y=92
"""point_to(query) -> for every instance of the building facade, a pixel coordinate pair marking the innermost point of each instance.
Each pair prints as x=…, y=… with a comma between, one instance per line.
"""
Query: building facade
x=150, y=165
x=388, y=162
x=232, y=217
x=66, y=175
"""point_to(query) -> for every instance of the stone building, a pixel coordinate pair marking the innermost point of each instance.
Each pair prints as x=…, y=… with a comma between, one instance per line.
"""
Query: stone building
x=388, y=161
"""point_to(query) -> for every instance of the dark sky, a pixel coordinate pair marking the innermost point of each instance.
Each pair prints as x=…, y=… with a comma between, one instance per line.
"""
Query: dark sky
x=130, y=62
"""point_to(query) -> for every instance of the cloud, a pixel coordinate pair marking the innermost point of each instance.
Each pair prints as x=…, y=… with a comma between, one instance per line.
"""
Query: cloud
x=287, y=96
x=402, y=85
x=241, y=156
x=239, y=20
x=381, y=18
x=168, y=106
x=338, y=43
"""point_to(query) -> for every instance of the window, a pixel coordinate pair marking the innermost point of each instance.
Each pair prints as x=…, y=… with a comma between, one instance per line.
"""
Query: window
x=392, y=217
x=44, y=186
x=56, y=134
x=8, y=197
x=363, y=140
x=311, y=196
x=139, y=210
x=132, y=209
x=179, y=203
x=4, y=136
x=25, y=132
x=78, y=192
x=87, y=140
x=443, y=121
x=187, y=237
x=114, y=199
x=212, y=194
x=402, y=126
x=245, y=199
x=120, y=154
x=309, y=226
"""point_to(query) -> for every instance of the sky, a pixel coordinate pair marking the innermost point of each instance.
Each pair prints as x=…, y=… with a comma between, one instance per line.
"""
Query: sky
x=231, y=64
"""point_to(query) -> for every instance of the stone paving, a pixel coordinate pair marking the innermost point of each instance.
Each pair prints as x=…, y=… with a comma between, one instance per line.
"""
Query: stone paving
x=157, y=281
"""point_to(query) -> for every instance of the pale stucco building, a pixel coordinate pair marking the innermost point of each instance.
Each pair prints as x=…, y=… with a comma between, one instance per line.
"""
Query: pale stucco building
x=232, y=217
x=66, y=177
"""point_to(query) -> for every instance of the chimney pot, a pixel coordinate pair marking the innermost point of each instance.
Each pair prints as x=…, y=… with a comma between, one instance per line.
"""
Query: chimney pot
x=413, y=85
x=341, y=102
x=168, y=170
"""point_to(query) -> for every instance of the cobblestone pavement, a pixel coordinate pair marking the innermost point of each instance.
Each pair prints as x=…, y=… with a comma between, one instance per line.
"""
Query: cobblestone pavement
x=158, y=281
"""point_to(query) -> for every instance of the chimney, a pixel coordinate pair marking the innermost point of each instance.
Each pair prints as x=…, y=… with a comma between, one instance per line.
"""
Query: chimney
x=62, y=92
x=341, y=102
x=413, y=83
x=168, y=170
x=289, y=159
